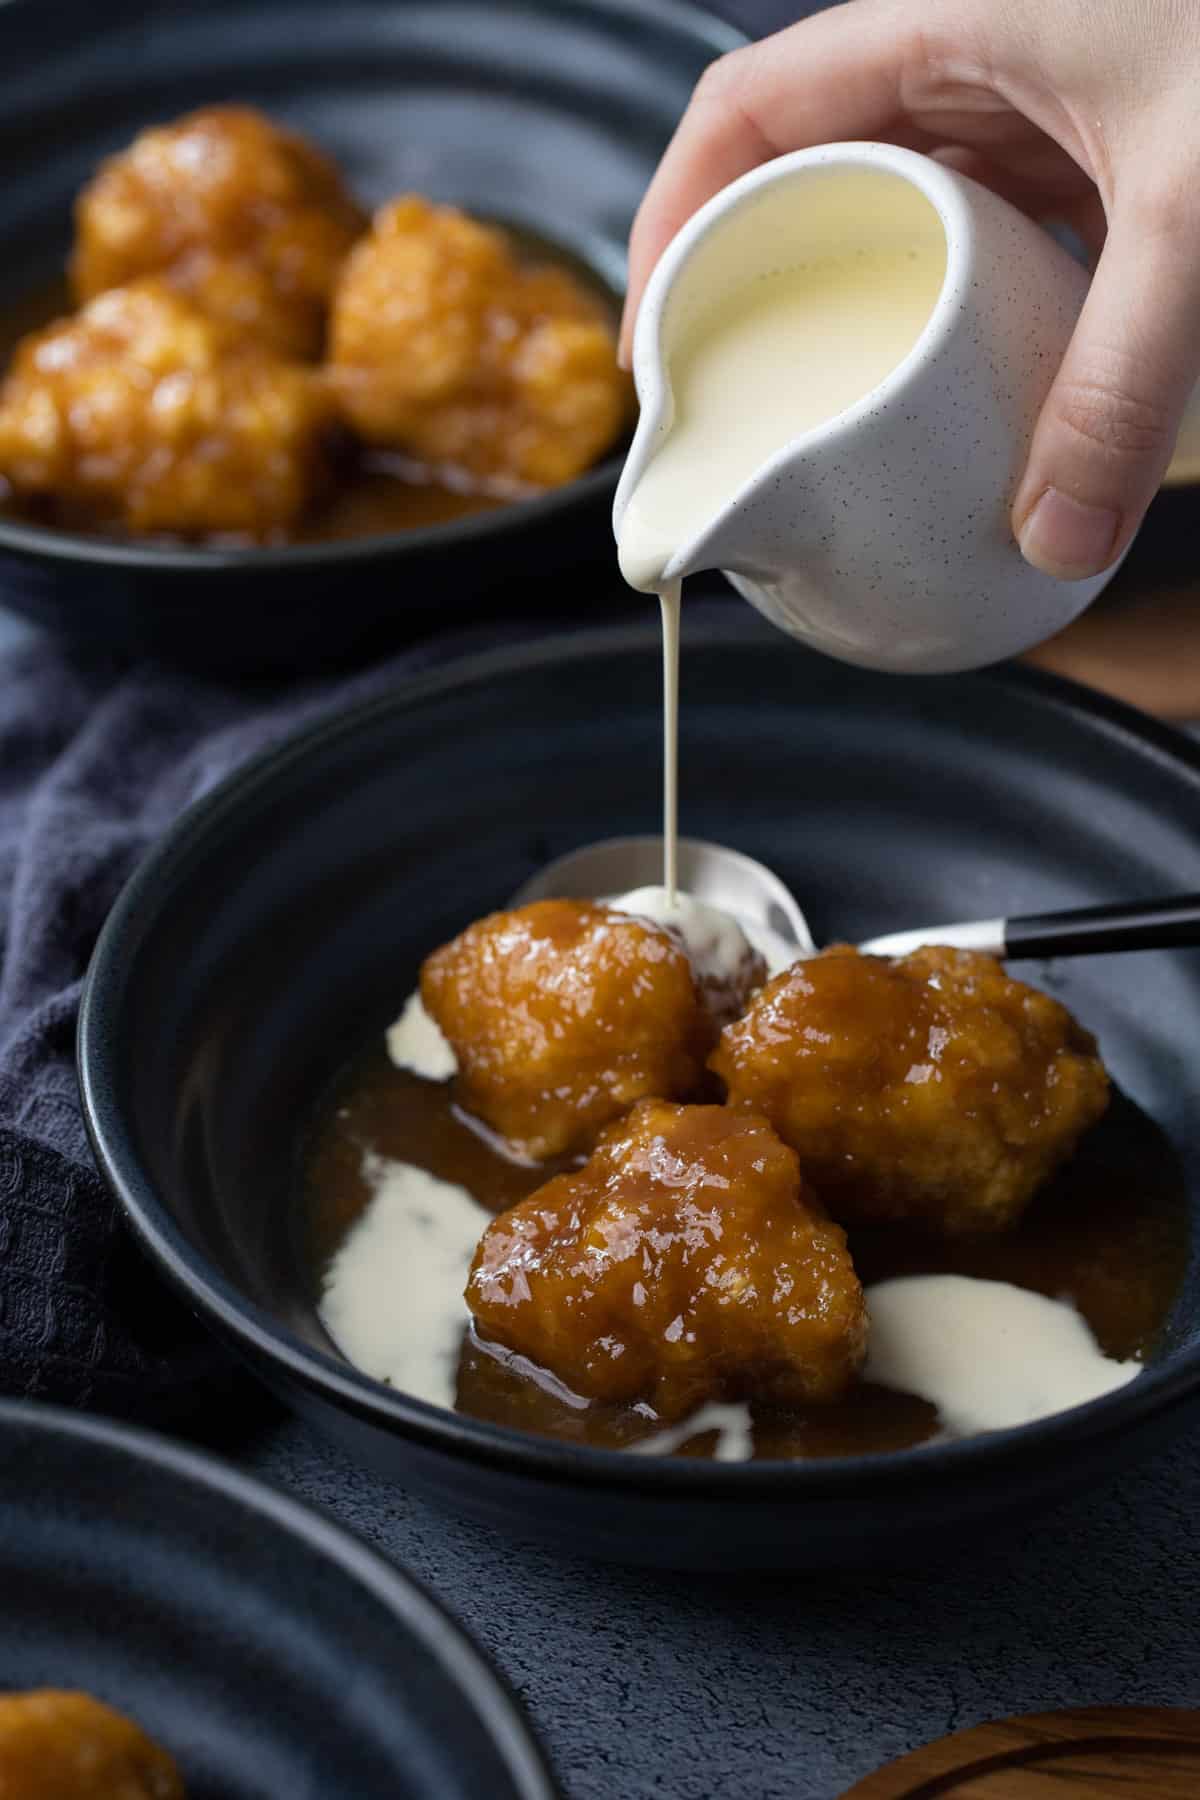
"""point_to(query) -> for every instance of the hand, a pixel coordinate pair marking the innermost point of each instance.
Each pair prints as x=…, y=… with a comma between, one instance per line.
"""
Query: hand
x=1083, y=111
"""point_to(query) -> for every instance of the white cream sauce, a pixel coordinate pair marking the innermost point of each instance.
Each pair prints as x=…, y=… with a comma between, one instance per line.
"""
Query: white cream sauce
x=732, y=1424
x=987, y=1354
x=393, y=1295
x=415, y=1042
x=715, y=941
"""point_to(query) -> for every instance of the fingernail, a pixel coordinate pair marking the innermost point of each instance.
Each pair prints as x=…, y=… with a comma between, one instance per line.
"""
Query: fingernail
x=624, y=360
x=1066, y=538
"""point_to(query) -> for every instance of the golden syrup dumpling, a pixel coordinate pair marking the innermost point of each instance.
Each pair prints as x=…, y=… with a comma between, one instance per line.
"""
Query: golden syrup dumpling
x=931, y=1088
x=561, y=1014
x=57, y=1745
x=143, y=412
x=445, y=346
x=247, y=215
x=242, y=294
x=686, y=1261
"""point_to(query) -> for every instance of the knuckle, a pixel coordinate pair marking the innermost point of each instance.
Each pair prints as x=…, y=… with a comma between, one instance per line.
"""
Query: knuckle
x=730, y=86
x=1108, y=415
x=726, y=79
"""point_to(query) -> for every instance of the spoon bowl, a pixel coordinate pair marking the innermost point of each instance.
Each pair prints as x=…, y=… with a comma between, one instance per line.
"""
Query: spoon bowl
x=749, y=891
x=726, y=879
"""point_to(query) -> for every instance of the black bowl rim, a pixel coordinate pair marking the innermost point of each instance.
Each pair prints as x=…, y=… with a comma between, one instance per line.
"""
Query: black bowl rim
x=410, y=1604
x=260, y=1338
x=49, y=544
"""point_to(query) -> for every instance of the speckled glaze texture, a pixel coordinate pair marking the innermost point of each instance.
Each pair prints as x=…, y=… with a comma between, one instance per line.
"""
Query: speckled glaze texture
x=883, y=537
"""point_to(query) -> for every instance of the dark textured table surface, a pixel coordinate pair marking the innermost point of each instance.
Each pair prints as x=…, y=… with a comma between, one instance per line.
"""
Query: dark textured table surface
x=687, y=1687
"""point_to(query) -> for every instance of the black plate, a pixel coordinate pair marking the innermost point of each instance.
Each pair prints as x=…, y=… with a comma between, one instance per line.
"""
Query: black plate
x=550, y=116
x=274, y=1655
x=283, y=919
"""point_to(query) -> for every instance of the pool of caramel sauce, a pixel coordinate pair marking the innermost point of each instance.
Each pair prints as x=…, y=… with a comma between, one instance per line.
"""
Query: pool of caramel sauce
x=1110, y=1233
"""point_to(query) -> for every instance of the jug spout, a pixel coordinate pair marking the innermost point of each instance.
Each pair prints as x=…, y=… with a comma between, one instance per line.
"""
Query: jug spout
x=670, y=523
x=653, y=554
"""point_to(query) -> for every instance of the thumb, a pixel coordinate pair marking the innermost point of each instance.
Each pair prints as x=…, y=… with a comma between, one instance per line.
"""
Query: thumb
x=1108, y=427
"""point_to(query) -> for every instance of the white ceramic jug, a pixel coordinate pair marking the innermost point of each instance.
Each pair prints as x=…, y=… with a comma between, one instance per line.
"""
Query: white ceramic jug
x=881, y=535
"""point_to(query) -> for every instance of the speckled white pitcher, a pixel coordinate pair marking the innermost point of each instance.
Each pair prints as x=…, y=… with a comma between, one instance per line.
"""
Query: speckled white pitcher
x=882, y=536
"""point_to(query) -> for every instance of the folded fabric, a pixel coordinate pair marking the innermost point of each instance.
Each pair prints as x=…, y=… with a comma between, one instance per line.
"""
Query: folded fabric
x=96, y=761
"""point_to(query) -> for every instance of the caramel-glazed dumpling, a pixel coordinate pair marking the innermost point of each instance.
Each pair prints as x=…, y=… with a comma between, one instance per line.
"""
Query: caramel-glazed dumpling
x=931, y=1088
x=143, y=412
x=687, y=1261
x=249, y=218
x=56, y=1745
x=561, y=1015
x=444, y=346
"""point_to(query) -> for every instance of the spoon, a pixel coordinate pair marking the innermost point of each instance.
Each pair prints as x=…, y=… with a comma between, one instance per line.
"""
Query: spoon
x=739, y=885
x=726, y=879
x=1126, y=925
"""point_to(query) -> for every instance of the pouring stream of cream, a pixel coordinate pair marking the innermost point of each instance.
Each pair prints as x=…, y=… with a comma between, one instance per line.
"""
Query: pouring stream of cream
x=668, y=598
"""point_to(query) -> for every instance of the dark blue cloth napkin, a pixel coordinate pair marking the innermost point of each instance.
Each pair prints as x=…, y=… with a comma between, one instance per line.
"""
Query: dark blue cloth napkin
x=96, y=761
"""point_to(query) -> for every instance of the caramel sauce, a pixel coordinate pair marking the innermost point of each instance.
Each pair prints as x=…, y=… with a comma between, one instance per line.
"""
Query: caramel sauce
x=369, y=501
x=381, y=494
x=1108, y=1233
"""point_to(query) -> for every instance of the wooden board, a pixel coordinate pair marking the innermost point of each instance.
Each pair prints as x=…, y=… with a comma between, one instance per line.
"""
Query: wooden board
x=1136, y=1753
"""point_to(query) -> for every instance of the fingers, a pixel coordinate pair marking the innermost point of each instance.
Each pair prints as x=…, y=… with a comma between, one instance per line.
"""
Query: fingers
x=1108, y=427
x=834, y=76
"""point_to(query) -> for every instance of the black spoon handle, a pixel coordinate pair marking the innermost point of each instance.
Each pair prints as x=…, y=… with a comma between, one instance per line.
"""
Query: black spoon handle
x=1133, y=925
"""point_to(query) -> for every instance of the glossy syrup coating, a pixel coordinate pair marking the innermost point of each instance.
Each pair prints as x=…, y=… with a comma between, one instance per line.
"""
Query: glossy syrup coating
x=931, y=1088
x=561, y=1015
x=57, y=1745
x=446, y=347
x=143, y=412
x=686, y=1261
x=247, y=216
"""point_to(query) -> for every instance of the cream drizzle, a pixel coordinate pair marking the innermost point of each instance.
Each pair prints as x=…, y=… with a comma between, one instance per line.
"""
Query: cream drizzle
x=417, y=1042
x=731, y=1422
x=669, y=607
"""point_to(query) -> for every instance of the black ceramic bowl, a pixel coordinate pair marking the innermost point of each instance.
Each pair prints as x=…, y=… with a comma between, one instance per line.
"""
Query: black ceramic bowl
x=550, y=117
x=282, y=922
x=269, y=1651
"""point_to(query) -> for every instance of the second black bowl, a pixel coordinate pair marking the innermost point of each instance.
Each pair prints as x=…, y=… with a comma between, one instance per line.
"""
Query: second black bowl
x=281, y=924
x=271, y=1653
x=549, y=117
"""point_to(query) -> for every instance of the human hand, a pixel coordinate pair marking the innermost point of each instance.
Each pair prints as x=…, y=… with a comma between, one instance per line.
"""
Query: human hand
x=1081, y=111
